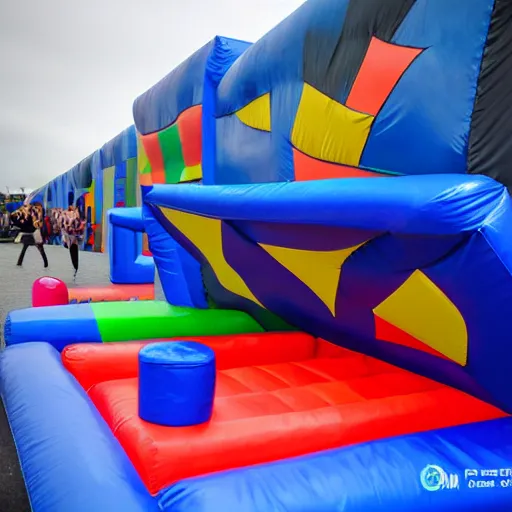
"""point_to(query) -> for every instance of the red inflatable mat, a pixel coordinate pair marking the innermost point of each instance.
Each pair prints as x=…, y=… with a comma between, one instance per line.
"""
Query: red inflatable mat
x=273, y=410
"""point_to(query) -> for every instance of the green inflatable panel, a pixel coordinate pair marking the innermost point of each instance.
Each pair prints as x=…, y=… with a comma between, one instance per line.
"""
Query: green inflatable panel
x=139, y=320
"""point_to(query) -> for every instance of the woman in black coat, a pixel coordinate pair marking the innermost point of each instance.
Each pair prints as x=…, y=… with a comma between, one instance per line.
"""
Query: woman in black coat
x=29, y=219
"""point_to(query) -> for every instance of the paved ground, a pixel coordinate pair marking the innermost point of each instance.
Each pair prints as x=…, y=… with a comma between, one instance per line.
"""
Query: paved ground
x=15, y=291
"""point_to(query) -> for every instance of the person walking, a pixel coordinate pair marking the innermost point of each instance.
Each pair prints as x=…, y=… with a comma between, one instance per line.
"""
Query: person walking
x=29, y=220
x=73, y=229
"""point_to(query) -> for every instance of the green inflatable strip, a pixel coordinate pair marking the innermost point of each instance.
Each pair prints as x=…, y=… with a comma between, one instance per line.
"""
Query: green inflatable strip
x=172, y=153
x=131, y=183
x=139, y=320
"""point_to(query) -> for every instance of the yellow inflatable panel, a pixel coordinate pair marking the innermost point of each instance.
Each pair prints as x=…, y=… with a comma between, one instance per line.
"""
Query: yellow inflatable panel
x=206, y=235
x=328, y=130
x=143, y=166
x=319, y=270
x=191, y=173
x=90, y=200
x=422, y=310
x=108, y=203
x=257, y=113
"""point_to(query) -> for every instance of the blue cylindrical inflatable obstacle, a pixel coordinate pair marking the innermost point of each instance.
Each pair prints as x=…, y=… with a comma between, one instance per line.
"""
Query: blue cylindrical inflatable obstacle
x=176, y=383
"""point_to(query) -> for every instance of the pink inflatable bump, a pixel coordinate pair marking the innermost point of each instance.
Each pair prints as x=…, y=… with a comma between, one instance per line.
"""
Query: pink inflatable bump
x=49, y=291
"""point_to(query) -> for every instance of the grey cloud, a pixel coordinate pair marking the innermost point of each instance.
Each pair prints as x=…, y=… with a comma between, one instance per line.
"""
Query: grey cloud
x=69, y=71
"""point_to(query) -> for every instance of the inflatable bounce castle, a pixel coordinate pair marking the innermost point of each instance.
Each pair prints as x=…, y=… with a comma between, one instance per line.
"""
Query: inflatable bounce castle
x=335, y=254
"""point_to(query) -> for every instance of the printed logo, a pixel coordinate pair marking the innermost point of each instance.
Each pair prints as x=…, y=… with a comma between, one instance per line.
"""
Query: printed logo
x=434, y=478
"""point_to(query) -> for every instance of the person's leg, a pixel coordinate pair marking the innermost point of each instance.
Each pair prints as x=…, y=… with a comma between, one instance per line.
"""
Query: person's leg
x=73, y=251
x=22, y=254
x=40, y=248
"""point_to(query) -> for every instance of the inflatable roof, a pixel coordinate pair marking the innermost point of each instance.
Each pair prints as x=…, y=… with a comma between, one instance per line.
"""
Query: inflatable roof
x=175, y=115
x=122, y=147
x=400, y=87
x=182, y=88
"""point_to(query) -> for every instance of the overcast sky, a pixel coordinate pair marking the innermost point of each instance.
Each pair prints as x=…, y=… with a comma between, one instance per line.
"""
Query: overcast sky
x=70, y=69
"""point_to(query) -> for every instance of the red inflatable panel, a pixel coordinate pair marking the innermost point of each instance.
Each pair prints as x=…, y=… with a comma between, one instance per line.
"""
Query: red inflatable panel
x=384, y=331
x=267, y=412
x=327, y=349
x=308, y=168
x=151, y=144
x=112, y=292
x=189, y=127
x=92, y=363
x=382, y=67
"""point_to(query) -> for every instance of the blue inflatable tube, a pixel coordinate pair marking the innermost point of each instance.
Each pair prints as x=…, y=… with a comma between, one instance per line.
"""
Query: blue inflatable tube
x=407, y=205
x=129, y=218
x=53, y=324
x=460, y=469
x=127, y=263
x=70, y=459
x=180, y=274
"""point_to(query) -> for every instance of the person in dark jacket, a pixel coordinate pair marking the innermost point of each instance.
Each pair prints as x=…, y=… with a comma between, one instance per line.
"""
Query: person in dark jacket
x=72, y=226
x=29, y=219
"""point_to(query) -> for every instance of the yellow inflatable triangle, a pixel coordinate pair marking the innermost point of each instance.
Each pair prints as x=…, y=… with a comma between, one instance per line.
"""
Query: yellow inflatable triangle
x=422, y=310
x=206, y=235
x=318, y=270
x=257, y=113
